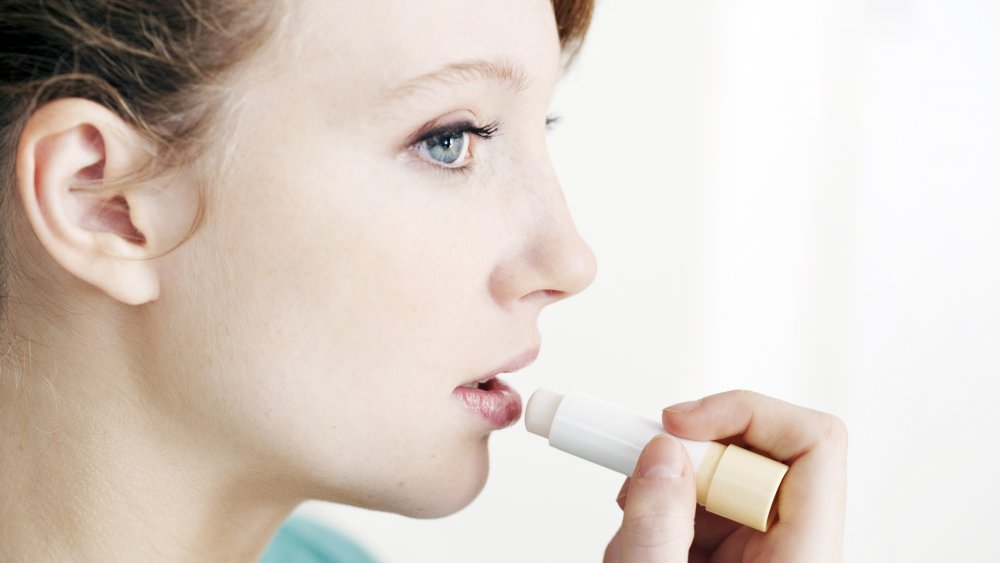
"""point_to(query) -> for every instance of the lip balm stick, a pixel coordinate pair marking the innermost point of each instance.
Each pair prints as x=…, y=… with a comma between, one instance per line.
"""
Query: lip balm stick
x=732, y=482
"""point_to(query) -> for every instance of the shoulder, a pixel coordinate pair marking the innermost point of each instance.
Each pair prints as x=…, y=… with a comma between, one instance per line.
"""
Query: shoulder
x=304, y=540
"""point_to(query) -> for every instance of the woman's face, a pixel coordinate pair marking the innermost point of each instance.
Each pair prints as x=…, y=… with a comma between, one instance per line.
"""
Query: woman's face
x=352, y=272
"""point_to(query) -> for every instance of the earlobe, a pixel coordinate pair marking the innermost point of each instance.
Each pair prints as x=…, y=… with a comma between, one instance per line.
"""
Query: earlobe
x=69, y=149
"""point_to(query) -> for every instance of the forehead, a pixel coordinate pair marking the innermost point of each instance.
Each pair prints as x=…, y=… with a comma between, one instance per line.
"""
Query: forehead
x=385, y=50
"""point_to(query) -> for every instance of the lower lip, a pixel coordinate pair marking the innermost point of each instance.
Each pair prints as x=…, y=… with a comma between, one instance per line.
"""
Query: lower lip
x=497, y=403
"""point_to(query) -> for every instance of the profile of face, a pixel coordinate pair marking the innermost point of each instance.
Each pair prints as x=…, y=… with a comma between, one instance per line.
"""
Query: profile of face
x=390, y=229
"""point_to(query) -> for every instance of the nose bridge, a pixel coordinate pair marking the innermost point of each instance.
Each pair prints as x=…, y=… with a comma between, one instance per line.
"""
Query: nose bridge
x=552, y=259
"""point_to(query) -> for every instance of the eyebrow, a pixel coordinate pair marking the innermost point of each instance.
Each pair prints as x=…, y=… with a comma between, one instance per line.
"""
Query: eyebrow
x=505, y=73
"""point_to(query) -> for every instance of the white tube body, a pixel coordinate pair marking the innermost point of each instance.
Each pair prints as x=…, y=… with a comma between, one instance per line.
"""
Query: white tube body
x=730, y=481
x=609, y=435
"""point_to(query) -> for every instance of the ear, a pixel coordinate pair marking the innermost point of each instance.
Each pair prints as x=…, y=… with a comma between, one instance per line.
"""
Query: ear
x=68, y=148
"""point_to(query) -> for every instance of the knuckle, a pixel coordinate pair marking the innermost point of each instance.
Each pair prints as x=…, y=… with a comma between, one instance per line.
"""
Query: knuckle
x=745, y=396
x=744, y=402
x=834, y=428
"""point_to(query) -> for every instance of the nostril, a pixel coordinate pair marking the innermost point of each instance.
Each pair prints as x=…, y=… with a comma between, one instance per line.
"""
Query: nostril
x=548, y=294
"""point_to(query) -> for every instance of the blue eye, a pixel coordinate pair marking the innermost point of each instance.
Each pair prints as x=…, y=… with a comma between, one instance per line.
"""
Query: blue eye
x=450, y=149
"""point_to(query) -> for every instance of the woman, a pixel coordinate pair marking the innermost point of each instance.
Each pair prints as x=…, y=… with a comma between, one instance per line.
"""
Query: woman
x=258, y=252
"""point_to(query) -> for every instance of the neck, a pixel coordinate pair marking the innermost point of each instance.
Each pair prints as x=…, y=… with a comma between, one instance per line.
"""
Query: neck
x=93, y=471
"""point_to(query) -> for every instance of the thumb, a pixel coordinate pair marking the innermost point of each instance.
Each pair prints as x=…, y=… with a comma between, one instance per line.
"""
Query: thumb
x=658, y=525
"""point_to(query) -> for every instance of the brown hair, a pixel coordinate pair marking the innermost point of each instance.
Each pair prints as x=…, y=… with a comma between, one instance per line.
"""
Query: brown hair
x=573, y=21
x=161, y=66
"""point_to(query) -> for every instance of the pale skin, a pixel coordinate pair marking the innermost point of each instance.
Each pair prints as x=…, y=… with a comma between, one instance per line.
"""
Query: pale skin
x=305, y=342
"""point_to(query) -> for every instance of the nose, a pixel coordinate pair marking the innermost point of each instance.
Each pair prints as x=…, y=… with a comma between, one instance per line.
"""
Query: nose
x=552, y=261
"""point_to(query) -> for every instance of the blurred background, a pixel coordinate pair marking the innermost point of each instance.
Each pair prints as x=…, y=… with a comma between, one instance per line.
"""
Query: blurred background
x=799, y=197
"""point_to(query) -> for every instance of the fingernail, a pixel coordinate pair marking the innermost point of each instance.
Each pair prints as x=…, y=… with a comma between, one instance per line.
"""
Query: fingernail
x=624, y=489
x=686, y=406
x=623, y=493
x=663, y=458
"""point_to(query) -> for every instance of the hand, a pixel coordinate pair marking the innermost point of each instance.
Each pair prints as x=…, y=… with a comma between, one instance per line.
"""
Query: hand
x=662, y=525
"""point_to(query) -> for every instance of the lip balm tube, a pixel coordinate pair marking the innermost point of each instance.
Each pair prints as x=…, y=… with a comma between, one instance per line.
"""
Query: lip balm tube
x=732, y=482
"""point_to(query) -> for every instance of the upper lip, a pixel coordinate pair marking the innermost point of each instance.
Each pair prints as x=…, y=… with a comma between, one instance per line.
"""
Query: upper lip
x=522, y=360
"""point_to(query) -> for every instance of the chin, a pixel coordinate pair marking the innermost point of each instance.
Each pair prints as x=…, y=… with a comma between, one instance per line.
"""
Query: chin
x=441, y=490
x=441, y=499
x=444, y=505
x=449, y=493
x=444, y=484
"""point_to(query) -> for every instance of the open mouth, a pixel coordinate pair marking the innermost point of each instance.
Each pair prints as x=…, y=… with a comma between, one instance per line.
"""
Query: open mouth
x=493, y=400
x=483, y=384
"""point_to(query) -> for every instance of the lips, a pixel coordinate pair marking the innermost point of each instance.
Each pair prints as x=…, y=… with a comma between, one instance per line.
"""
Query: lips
x=492, y=399
x=495, y=402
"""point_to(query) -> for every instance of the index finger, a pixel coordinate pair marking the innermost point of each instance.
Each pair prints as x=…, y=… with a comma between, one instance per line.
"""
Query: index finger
x=783, y=430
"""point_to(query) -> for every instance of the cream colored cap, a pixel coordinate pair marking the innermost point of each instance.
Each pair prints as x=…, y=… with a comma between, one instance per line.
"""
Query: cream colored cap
x=743, y=488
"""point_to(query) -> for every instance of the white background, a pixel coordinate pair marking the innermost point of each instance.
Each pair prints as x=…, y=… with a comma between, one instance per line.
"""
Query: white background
x=800, y=197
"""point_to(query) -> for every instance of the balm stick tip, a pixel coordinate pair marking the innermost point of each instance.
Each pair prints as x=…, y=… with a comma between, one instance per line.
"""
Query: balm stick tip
x=541, y=411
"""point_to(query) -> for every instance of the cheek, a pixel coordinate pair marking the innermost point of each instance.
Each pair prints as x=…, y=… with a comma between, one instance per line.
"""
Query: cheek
x=341, y=323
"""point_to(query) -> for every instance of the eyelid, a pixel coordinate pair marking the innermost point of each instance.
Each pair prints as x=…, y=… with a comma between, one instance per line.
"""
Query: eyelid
x=484, y=132
x=460, y=128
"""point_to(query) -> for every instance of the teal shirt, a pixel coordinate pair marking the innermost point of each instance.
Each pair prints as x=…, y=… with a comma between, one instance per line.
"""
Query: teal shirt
x=303, y=540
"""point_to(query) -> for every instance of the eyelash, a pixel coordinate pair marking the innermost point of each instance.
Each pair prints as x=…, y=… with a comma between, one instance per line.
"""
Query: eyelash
x=482, y=132
x=457, y=129
x=485, y=133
